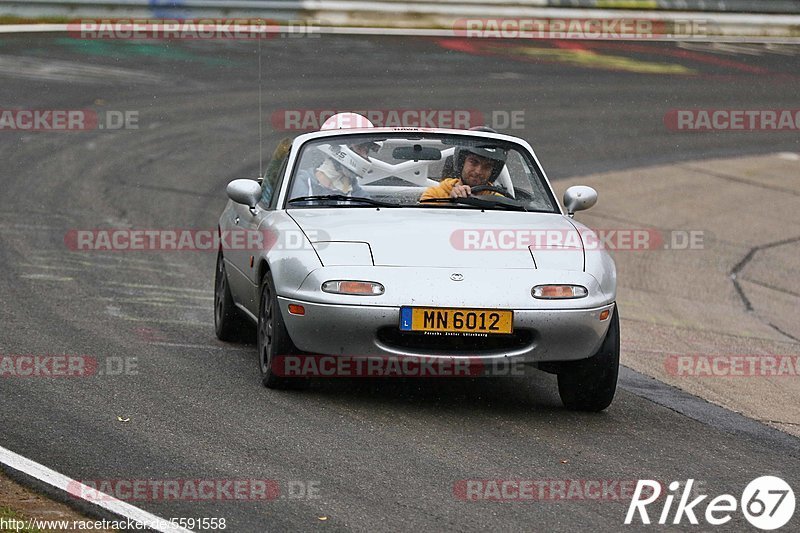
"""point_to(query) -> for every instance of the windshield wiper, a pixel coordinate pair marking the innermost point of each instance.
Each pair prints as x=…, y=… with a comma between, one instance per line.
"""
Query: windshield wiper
x=341, y=198
x=479, y=201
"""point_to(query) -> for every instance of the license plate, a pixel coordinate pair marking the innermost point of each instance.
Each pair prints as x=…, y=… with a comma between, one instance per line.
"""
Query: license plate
x=440, y=319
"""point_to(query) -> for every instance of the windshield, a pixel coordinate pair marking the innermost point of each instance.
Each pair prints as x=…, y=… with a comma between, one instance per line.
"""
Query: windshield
x=430, y=170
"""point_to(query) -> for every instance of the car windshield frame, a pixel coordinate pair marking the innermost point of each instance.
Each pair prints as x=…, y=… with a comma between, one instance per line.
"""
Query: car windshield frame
x=452, y=139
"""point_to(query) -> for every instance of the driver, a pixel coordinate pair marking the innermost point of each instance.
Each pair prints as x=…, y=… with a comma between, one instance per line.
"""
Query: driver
x=476, y=166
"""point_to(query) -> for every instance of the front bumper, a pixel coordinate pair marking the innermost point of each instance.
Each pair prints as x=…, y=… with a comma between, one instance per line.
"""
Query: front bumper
x=363, y=331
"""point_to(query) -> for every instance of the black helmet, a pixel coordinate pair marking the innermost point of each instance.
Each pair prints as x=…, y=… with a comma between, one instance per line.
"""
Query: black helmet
x=492, y=152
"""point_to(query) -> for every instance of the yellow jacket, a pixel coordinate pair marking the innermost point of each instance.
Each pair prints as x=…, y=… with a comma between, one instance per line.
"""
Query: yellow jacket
x=443, y=189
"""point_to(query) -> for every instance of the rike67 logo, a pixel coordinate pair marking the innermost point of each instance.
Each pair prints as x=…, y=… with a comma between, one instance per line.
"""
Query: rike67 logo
x=767, y=503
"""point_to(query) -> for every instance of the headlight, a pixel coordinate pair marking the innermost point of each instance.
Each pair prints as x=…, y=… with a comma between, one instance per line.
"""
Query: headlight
x=557, y=292
x=361, y=288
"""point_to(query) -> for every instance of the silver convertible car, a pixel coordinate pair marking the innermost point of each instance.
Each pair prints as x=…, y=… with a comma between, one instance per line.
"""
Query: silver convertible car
x=417, y=243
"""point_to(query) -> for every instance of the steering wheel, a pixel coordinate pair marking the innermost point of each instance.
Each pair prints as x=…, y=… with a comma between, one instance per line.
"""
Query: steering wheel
x=491, y=188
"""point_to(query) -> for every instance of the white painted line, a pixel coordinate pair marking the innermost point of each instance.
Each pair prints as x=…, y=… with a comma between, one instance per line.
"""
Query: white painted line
x=46, y=277
x=70, y=486
x=159, y=287
x=32, y=28
x=200, y=346
x=156, y=320
x=442, y=32
x=445, y=32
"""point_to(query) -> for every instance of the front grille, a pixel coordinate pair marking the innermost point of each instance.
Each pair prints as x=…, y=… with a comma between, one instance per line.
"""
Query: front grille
x=440, y=344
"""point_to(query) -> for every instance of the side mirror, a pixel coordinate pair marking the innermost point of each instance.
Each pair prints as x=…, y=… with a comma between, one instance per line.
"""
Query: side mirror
x=244, y=191
x=578, y=198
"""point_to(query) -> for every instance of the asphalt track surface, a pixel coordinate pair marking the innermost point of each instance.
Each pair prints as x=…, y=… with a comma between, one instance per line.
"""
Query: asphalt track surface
x=385, y=455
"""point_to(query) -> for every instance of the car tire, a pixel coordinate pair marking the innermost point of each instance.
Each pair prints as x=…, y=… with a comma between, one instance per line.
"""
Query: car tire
x=590, y=384
x=229, y=323
x=273, y=338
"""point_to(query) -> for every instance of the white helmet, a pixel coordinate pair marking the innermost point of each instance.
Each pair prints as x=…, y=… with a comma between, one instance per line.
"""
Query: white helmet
x=345, y=157
x=341, y=121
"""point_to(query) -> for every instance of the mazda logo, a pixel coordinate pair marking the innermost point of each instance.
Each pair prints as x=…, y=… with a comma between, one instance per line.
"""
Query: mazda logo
x=457, y=277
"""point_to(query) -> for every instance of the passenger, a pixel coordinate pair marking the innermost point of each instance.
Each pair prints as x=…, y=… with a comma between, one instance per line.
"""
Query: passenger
x=338, y=176
x=343, y=166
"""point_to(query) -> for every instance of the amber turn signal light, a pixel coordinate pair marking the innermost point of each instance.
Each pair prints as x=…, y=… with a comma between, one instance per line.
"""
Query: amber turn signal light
x=557, y=292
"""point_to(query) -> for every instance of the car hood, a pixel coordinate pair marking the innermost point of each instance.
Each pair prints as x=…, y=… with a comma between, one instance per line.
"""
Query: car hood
x=431, y=237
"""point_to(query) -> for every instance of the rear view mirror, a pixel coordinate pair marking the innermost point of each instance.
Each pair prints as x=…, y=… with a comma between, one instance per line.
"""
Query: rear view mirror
x=578, y=198
x=416, y=152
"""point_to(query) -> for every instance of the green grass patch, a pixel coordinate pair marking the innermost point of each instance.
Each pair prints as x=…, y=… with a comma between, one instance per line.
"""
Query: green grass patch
x=11, y=19
x=7, y=513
